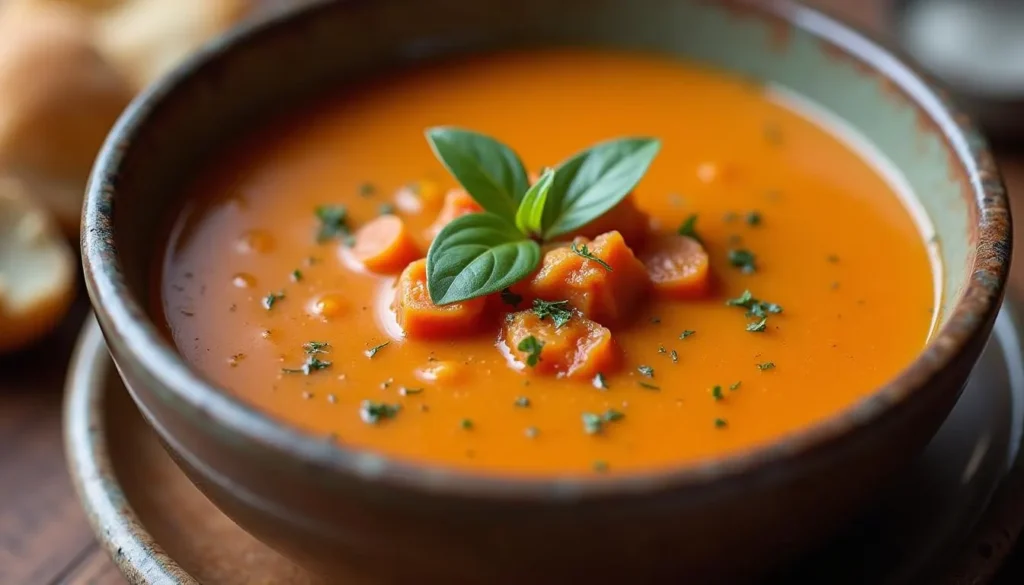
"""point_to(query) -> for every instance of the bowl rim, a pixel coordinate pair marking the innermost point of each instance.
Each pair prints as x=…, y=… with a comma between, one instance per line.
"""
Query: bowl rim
x=127, y=324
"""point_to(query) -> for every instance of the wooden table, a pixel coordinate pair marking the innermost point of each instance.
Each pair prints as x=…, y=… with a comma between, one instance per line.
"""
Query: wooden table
x=44, y=536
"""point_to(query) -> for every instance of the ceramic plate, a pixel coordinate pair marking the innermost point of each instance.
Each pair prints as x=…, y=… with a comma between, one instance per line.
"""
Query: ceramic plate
x=959, y=501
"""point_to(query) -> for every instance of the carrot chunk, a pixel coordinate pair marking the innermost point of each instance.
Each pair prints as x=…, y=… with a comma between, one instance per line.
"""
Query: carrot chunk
x=580, y=348
x=420, y=318
x=385, y=245
x=626, y=218
x=607, y=287
x=456, y=204
x=678, y=266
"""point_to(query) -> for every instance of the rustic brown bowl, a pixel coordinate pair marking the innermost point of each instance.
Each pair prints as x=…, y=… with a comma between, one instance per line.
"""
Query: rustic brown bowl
x=358, y=516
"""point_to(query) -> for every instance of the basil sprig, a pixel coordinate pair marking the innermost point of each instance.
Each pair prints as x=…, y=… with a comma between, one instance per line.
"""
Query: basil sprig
x=483, y=253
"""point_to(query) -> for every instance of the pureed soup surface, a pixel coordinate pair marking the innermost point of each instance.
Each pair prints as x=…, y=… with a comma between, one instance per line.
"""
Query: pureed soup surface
x=246, y=283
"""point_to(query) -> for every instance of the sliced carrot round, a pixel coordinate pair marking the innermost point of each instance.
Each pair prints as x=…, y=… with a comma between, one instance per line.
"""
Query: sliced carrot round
x=678, y=266
x=385, y=245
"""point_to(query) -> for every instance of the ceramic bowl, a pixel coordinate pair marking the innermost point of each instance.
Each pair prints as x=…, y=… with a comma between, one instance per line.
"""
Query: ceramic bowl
x=357, y=516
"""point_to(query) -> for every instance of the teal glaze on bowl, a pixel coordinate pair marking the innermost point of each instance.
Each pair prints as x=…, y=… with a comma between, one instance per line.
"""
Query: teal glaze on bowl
x=355, y=514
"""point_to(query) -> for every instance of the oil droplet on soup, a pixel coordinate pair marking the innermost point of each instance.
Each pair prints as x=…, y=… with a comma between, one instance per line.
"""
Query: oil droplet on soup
x=783, y=206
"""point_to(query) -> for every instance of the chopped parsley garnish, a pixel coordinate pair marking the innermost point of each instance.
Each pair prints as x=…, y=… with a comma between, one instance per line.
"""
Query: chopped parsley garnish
x=510, y=298
x=689, y=228
x=373, y=412
x=646, y=371
x=743, y=259
x=735, y=385
x=647, y=386
x=532, y=346
x=466, y=423
x=832, y=258
x=755, y=309
x=661, y=349
x=686, y=333
x=406, y=391
x=333, y=222
x=655, y=320
x=312, y=364
x=558, y=311
x=386, y=209
x=716, y=392
x=594, y=423
x=584, y=252
x=754, y=218
x=766, y=366
x=522, y=402
x=296, y=275
x=271, y=299
x=315, y=347
x=367, y=189
x=600, y=382
x=758, y=326
x=600, y=466
x=674, y=355
x=373, y=350
x=721, y=423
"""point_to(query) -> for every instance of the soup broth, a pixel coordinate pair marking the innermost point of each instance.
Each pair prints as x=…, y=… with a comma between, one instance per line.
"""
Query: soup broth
x=785, y=208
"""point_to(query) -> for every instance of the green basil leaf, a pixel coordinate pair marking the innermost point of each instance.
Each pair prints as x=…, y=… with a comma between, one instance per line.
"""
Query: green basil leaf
x=490, y=172
x=595, y=180
x=475, y=255
x=531, y=208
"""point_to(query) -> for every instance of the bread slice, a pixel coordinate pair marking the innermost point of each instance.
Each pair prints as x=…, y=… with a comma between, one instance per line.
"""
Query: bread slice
x=38, y=270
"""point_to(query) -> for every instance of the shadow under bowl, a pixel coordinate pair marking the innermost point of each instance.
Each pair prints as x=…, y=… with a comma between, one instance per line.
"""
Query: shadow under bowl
x=357, y=516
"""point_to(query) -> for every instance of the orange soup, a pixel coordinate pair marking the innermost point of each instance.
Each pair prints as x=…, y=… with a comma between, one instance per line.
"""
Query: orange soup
x=762, y=275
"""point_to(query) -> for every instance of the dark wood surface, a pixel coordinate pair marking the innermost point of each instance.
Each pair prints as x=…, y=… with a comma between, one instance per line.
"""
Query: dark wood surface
x=44, y=536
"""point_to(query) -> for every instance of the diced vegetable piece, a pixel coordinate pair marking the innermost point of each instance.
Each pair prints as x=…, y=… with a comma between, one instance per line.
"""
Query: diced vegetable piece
x=678, y=266
x=385, y=245
x=578, y=349
x=626, y=218
x=606, y=296
x=420, y=318
x=456, y=204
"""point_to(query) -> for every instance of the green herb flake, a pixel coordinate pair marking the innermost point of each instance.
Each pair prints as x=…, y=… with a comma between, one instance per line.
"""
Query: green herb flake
x=674, y=355
x=559, y=311
x=466, y=424
x=661, y=349
x=373, y=350
x=832, y=259
x=532, y=346
x=755, y=309
x=721, y=423
x=743, y=259
x=386, y=209
x=592, y=423
x=655, y=320
x=510, y=298
x=754, y=218
x=367, y=189
x=583, y=252
x=333, y=223
x=522, y=402
x=689, y=228
x=271, y=299
x=765, y=366
x=406, y=391
x=686, y=333
x=373, y=412
x=716, y=392
x=735, y=385
x=612, y=415
x=758, y=326
x=315, y=347
x=647, y=386
x=646, y=371
x=600, y=382
x=296, y=275
x=600, y=466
